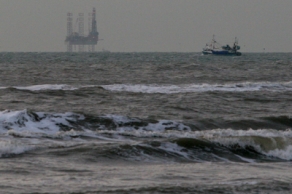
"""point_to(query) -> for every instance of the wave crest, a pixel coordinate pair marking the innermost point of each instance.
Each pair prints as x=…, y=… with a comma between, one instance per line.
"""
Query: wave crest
x=23, y=130
x=168, y=89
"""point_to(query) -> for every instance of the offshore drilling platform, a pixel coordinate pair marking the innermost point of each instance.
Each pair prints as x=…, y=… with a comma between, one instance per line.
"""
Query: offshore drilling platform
x=77, y=39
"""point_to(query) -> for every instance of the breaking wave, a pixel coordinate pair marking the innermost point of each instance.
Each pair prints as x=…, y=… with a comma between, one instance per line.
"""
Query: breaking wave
x=169, y=89
x=44, y=87
x=138, y=139
x=232, y=87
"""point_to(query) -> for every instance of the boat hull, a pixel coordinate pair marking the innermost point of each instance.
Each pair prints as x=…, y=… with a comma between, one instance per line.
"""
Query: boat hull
x=226, y=53
x=207, y=52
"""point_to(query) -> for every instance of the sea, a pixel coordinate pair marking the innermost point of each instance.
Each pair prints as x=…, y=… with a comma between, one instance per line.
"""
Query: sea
x=145, y=123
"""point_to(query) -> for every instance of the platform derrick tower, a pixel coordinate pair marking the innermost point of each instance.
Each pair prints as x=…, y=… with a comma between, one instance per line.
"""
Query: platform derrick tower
x=74, y=39
x=81, y=30
x=69, y=31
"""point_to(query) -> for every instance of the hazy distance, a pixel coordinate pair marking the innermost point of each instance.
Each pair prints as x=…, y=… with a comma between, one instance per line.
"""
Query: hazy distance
x=149, y=25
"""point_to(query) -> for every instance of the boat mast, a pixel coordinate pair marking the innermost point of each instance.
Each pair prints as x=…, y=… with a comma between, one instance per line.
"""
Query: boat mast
x=213, y=41
x=236, y=41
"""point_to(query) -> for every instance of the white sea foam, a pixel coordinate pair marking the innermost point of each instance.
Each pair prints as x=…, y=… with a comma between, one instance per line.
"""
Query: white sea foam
x=8, y=147
x=22, y=131
x=210, y=134
x=230, y=87
x=268, y=142
x=35, y=122
x=285, y=154
x=35, y=125
x=174, y=149
x=169, y=89
x=161, y=125
x=49, y=87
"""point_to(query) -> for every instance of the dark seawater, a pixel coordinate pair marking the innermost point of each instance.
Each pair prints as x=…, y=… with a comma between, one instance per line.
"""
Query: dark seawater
x=145, y=123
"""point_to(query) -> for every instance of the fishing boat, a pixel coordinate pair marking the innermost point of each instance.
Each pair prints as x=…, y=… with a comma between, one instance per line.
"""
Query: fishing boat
x=210, y=47
x=214, y=48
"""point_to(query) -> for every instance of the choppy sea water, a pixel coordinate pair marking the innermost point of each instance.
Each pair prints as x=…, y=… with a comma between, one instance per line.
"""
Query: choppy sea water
x=145, y=123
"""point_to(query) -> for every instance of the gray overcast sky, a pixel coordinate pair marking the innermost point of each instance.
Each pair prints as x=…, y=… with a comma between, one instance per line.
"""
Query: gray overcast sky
x=149, y=25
